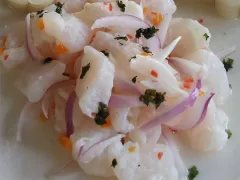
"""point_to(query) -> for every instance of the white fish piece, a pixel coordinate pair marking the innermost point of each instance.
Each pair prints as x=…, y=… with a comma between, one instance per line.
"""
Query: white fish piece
x=97, y=10
x=210, y=134
x=36, y=78
x=69, y=31
x=120, y=121
x=143, y=163
x=13, y=57
x=99, y=166
x=216, y=79
x=96, y=86
x=193, y=36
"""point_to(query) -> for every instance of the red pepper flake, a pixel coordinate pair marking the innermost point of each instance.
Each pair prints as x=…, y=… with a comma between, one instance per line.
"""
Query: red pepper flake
x=129, y=36
x=110, y=7
x=154, y=73
x=200, y=20
x=160, y=155
x=173, y=130
x=187, y=85
x=123, y=141
x=5, y=57
x=189, y=80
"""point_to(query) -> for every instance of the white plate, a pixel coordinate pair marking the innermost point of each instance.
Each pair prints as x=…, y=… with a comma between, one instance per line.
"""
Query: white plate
x=40, y=151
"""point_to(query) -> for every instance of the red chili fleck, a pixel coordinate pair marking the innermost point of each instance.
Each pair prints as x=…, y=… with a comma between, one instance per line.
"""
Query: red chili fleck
x=200, y=20
x=160, y=155
x=6, y=56
x=187, y=85
x=189, y=80
x=123, y=141
x=110, y=7
x=129, y=36
x=154, y=73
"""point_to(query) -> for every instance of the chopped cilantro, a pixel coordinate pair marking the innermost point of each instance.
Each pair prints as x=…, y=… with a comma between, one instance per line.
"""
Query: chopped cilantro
x=114, y=163
x=47, y=60
x=120, y=43
x=121, y=38
x=229, y=133
x=102, y=114
x=152, y=96
x=134, y=79
x=121, y=5
x=132, y=58
x=105, y=53
x=147, y=33
x=85, y=70
x=228, y=63
x=59, y=7
x=146, y=49
x=206, y=36
x=40, y=13
x=192, y=172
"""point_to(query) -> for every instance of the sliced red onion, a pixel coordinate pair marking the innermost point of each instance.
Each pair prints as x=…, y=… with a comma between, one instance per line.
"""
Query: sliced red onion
x=123, y=101
x=125, y=21
x=179, y=108
x=123, y=86
x=180, y=166
x=69, y=113
x=32, y=50
x=226, y=52
x=23, y=117
x=98, y=147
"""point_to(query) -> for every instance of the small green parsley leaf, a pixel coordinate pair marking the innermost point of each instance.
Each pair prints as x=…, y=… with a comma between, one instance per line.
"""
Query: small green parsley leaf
x=206, y=36
x=40, y=13
x=102, y=114
x=85, y=70
x=121, y=38
x=229, y=133
x=114, y=163
x=192, y=172
x=152, y=96
x=121, y=5
x=134, y=79
x=47, y=60
x=146, y=49
x=105, y=53
x=228, y=63
x=59, y=7
x=147, y=33
x=132, y=58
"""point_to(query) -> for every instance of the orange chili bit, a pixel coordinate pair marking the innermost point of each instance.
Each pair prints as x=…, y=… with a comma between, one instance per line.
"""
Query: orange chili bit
x=160, y=155
x=61, y=49
x=189, y=80
x=108, y=123
x=146, y=54
x=4, y=40
x=154, y=73
x=129, y=36
x=65, y=142
x=157, y=19
x=105, y=3
x=110, y=7
x=201, y=93
x=5, y=57
x=200, y=20
x=42, y=117
x=1, y=51
x=145, y=11
x=132, y=149
x=41, y=24
x=187, y=85
x=154, y=13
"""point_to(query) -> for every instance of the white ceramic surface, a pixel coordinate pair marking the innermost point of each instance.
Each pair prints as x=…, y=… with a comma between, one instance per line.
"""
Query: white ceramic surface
x=40, y=151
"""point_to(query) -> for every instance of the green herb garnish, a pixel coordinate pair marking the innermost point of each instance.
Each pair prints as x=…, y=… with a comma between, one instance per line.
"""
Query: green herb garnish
x=206, y=36
x=228, y=63
x=229, y=133
x=121, y=5
x=121, y=38
x=40, y=13
x=47, y=60
x=132, y=58
x=105, y=53
x=147, y=33
x=85, y=70
x=146, y=49
x=114, y=163
x=152, y=96
x=192, y=172
x=134, y=79
x=59, y=7
x=102, y=114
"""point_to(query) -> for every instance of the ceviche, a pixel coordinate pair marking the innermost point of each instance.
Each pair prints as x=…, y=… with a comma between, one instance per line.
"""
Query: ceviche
x=121, y=78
